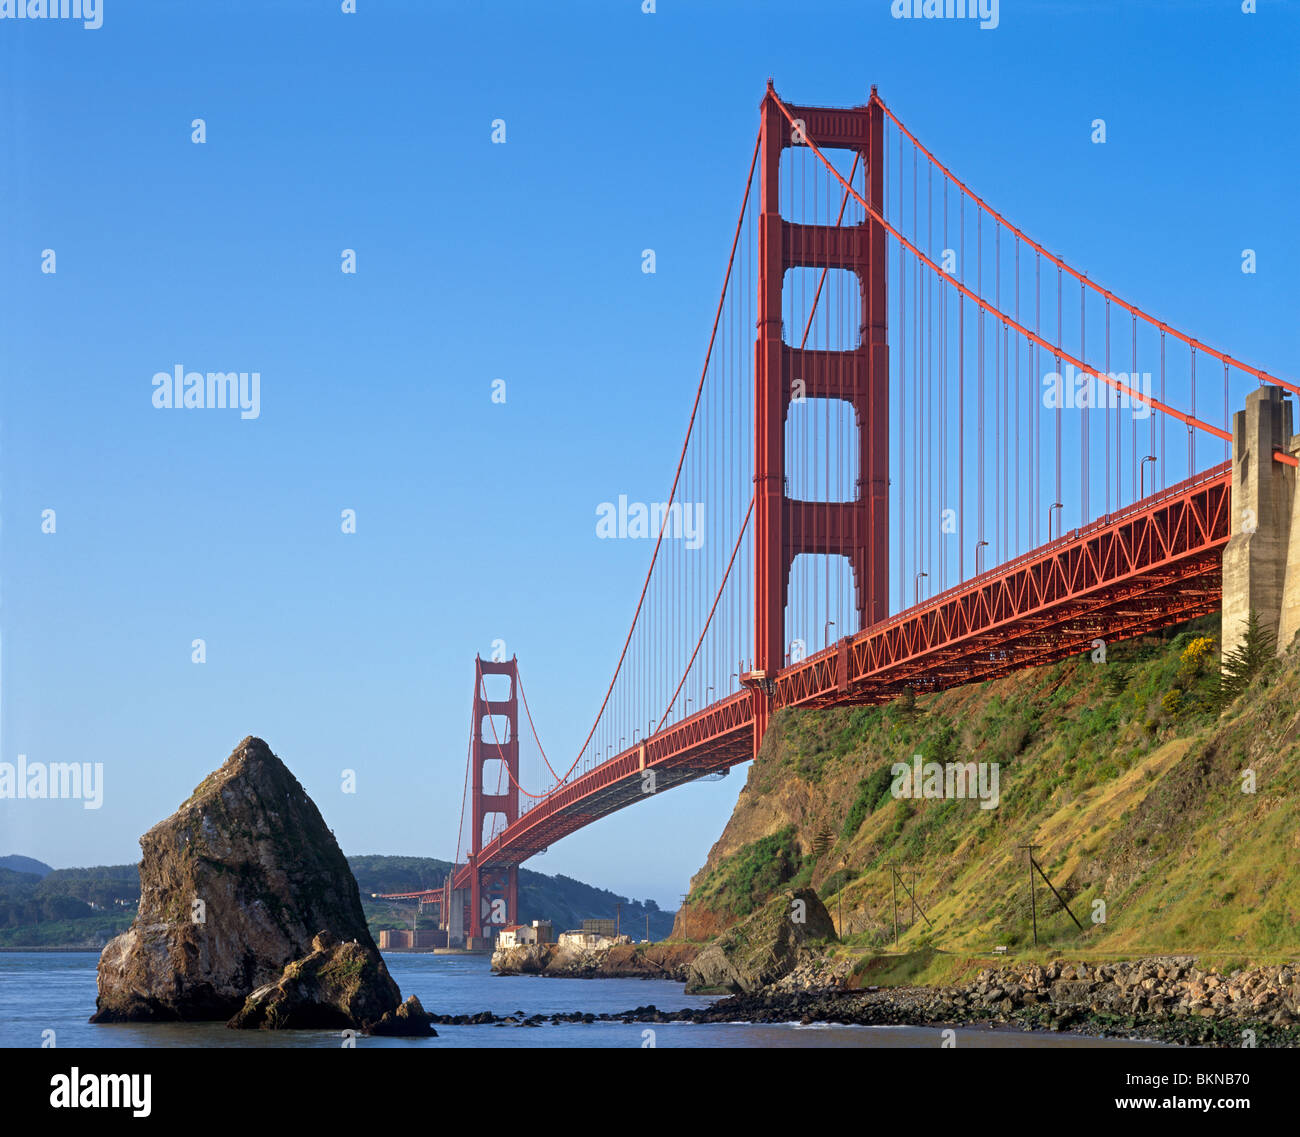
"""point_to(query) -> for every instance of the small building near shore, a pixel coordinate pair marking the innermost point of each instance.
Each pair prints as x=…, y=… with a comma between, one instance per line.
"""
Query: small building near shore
x=591, y=940
x=516, y=935
x=403, y=939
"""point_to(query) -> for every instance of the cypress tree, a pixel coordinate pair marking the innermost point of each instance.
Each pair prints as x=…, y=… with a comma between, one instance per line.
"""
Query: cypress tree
x=1247, y=661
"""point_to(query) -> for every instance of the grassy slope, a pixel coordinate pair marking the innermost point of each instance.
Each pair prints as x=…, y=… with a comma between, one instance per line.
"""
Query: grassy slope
x=1132, y=792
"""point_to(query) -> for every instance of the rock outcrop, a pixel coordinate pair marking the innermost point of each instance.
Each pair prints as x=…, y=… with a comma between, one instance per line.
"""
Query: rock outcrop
x=409, y=1019
x=233, y=887
x=1159, y=987
x=617, y=961
x=764, y=947
x=339, y=985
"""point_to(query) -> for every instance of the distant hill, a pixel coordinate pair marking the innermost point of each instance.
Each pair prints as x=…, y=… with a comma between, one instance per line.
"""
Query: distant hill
x=15, y=863
x=81, y=907
x=46, y=906
x=562, y=900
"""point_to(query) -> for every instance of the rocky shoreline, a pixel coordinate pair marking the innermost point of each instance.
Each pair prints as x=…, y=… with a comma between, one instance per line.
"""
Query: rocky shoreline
x=619, y=961
x=1162, y=999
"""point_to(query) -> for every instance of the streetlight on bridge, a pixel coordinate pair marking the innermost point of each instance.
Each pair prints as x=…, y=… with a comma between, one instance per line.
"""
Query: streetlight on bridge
x=978, y=547
x=1054, y=507
x=1143, y=476
x=919, y=575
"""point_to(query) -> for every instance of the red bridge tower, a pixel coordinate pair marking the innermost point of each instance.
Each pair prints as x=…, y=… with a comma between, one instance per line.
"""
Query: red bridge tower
x=785, y=527
x=491, y=902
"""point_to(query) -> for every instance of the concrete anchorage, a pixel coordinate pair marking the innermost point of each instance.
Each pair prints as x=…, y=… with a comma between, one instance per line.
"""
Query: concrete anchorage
x=1261, y=562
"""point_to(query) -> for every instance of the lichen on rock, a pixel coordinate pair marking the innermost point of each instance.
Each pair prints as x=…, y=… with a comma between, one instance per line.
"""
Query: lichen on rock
x=339, y=985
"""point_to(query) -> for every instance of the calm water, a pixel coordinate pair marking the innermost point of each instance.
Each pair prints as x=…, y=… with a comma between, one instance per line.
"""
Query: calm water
x=42, y=991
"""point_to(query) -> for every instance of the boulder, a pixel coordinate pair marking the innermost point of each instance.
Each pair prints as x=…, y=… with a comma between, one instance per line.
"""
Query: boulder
x=522, y=959
x=764, y=947
x=233, y=887
x=337, y=986
x=409, y=1019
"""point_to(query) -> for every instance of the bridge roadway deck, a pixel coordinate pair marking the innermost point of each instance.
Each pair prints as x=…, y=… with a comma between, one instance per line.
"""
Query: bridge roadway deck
x=1150, y=565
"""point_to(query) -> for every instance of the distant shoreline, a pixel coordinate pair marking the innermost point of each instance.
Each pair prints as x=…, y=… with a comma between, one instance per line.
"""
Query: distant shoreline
x=87, y=950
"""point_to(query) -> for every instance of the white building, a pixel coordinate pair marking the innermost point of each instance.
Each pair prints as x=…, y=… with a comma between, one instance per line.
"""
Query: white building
x=516, y=935
x=591, y=940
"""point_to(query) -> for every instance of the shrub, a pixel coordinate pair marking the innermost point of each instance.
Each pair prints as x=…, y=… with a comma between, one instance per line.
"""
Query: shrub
x=873, y=792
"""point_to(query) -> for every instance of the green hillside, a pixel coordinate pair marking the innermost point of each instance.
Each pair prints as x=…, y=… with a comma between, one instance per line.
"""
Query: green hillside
x=1123, y=773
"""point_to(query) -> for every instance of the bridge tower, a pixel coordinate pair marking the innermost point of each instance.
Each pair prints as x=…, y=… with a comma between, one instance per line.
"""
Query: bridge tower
x=493, y=893
x=786, y=527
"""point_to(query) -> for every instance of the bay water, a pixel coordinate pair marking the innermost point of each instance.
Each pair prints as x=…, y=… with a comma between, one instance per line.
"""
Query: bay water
x=55, y=991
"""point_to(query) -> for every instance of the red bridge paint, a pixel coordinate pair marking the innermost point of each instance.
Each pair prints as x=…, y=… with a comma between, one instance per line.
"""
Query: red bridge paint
x=1142, y=567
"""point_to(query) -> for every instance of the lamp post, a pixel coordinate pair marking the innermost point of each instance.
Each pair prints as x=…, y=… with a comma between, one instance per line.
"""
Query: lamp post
x=919, y=575
x=978, y=547
x=1143, y=476
x=1054, y=507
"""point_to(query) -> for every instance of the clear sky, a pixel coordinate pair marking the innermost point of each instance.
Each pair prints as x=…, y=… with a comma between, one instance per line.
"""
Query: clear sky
x=475, y=262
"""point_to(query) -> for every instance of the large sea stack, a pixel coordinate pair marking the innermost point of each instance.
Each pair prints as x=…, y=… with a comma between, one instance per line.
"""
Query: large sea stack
x=234, y=886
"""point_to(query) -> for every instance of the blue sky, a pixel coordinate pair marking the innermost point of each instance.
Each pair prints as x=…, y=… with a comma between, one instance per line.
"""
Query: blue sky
x=477, y=262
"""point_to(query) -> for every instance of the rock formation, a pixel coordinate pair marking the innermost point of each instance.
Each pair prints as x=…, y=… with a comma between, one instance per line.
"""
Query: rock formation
x=409, y=1018
x=1159, y=987
x=765, y=946
x=233, y=887
x=337, y=986
x=616, y=961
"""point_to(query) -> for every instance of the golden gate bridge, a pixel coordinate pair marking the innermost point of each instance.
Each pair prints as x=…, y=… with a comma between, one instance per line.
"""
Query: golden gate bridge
x=932, y=452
